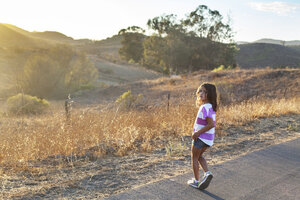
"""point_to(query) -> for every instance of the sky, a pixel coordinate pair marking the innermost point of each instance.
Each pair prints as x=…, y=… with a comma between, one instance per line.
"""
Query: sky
x=100, y=19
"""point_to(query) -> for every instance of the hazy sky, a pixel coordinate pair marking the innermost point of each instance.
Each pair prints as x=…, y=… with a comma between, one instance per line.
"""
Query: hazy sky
x=99, y=19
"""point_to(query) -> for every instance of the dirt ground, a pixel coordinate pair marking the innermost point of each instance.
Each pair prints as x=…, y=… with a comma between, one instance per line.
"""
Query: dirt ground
x=115, y=74
x=63, y=178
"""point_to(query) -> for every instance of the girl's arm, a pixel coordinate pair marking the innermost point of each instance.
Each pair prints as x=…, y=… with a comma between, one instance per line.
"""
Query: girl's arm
x=210, y=125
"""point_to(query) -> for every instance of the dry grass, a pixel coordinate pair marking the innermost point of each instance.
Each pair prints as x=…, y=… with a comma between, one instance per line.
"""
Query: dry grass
x=253, y=109
x=46, y=156
x=108, y=132
x=92, y=134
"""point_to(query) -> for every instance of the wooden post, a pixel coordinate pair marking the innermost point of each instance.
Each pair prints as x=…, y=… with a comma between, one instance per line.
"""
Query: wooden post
x=68, y=107
x=284, y=95
x=168, y=102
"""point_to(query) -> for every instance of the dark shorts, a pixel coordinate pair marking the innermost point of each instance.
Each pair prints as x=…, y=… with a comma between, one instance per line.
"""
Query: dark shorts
x=199, y=144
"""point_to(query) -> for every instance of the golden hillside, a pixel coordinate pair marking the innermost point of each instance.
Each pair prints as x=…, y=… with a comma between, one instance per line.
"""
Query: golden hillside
x=12, y=38
x=233, y=85
x=17, y=45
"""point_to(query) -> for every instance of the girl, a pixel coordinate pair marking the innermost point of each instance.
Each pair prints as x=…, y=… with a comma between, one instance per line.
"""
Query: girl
x=203, y=133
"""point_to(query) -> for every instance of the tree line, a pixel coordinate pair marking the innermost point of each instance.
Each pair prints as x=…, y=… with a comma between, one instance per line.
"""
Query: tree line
x=51, y=72
x=202, y=40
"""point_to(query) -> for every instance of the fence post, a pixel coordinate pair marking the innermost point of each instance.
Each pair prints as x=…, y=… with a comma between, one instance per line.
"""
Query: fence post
x=284, y=95
x=168, y=102
x=68, y=107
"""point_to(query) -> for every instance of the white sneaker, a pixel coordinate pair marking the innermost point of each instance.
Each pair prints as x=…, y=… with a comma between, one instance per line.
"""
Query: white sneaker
x=194, y=183
x=206, y=180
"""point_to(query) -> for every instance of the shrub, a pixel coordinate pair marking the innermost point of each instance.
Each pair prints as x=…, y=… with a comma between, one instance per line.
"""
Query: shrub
x=127, y=100
x=131, y=61
x=220, y=68
x=26, y=104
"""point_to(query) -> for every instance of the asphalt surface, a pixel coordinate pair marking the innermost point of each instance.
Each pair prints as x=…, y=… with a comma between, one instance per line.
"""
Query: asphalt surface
x=271, y=173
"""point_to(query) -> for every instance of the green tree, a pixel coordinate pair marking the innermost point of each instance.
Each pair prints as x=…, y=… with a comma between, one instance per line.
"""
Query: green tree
x=82, y=72
x=164, y=24
x=155, y=49
x=56, y=72
x=42, y=76
x=132, y=43
x=178, y=52
x=200, y=41
x=206, y=23
x=195, y=42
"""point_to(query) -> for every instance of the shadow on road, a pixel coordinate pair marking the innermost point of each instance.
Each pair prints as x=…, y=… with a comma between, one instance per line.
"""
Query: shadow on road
x=212, y=195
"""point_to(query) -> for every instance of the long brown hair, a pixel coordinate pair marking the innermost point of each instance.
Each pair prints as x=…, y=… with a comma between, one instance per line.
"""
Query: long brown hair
x=211, y=95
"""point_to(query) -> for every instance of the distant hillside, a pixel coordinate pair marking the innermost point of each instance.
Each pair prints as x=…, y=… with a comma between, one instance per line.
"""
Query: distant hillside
x=259, y=55
x=13, y=36
x=251, y=55
x=10, y=37
x=265, y=52
x=16, y=29
x=296, y=47
x=17, y=45
x=242, y=42
x=107, y=49
x=233, y=85
x=280, y=42
x=52, y=35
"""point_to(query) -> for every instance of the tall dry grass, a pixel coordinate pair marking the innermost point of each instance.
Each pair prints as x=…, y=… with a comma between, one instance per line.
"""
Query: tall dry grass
x=254, y=109
x=92, y=134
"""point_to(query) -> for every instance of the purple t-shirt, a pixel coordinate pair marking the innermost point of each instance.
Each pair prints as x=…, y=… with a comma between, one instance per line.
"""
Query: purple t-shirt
x=205, y=110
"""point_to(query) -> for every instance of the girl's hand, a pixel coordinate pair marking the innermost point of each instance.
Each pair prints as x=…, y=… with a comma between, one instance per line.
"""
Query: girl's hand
x=195, y=136
x=210, y=124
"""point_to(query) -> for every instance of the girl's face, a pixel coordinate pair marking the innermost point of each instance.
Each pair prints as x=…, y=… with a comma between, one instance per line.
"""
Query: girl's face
x=203, y=94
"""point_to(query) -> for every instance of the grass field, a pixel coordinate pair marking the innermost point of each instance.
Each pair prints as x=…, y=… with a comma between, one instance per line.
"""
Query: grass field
x=99, y=133
x=118, y=132
x=115, y=131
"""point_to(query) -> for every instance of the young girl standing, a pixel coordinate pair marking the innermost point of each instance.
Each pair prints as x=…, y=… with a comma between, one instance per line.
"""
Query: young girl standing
x=203, y=133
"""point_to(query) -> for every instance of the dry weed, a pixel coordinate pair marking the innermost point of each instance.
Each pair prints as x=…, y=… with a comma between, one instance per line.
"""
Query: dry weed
x=253, y=109
x=92, y=134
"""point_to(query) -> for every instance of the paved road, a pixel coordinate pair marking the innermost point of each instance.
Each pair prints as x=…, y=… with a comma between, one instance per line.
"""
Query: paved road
x=271, y=173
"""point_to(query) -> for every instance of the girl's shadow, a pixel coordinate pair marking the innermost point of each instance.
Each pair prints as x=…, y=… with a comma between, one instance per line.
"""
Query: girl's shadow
x=212, y=195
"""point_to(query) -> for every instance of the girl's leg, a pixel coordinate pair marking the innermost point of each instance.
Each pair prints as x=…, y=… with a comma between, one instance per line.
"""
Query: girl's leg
x=195, y=164
x=196, y=154
x=203, y=163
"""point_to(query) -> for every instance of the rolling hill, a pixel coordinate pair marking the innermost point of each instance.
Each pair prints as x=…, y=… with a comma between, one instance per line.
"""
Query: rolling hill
x=52, y=35
x=16, y=45
x=107, y=49
x=281, y=42
x=296, y=47
x=260, y=55
x=13, y=36
x=10, y=37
